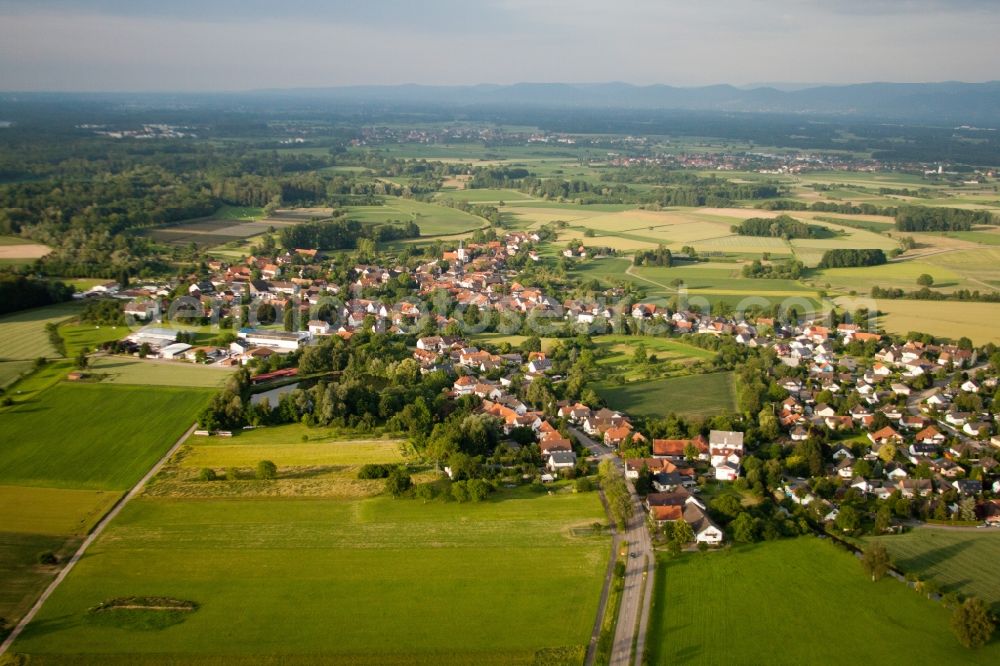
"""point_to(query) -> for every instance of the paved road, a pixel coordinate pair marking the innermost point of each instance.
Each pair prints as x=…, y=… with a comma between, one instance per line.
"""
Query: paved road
x=96, y=532
x=633, y=614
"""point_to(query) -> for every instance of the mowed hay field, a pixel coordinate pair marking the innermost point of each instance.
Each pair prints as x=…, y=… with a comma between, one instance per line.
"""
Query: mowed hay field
x=206, y=233
x=962, y=561
x=125, y=370
x=691, y=396
x=24, y=334
x=93, y=436
x=951, y=319
x=53, y=511
x=707, y=230
x=319, y=581
x=796, y=601
x=311, y=462
x=66, y=456
x=243, y=452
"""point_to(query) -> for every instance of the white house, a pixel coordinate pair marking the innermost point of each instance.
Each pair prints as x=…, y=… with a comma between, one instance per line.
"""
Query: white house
x=561, y=460
x=319, y=327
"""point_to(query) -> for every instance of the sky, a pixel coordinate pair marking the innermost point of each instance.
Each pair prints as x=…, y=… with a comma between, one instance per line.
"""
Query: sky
x=227, y=45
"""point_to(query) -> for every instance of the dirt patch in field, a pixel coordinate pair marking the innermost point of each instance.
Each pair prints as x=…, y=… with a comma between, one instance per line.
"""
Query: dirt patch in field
x=458, y=182
x=27, y=251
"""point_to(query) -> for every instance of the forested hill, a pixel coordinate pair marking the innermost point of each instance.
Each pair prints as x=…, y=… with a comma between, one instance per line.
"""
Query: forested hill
x=953, y=102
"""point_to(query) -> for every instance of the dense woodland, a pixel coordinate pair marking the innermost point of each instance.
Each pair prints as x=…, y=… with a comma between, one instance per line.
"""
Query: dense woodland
x=783, y=226
x=843, y=258
x=342, y=234
x=18, y=292
x=922, y=218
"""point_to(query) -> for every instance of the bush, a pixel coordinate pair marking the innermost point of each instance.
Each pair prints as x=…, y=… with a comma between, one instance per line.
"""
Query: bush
x=368, y=472
x=266, y=470
x=232, y=474
x=48, y=557
x=425, y=491
x=584, y=485
x=459, y=491
x=399, y=482
x=206, y=474
x=479, y=489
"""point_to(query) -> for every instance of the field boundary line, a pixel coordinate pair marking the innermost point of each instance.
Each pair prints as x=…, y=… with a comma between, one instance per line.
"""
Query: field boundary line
x=595, y=634
x=628, y=271
x=91, y=538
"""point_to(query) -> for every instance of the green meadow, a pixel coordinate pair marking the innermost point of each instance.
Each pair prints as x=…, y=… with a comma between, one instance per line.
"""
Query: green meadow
x=433, y=220
x=959, y=561
x=690, y=396
x=93, y=436
x=370, y=581
x=796, y=601
x=126, y=370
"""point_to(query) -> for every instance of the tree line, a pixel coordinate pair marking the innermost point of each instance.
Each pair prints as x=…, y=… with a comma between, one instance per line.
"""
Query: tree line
x=659, y=257
x=343, y=234
x=19, y=292
x=927, y=294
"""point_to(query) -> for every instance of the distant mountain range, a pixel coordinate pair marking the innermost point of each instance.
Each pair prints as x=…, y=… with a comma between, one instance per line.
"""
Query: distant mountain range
x=948, y=102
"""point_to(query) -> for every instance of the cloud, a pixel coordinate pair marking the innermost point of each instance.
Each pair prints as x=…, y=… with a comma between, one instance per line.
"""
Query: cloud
x=229, y=45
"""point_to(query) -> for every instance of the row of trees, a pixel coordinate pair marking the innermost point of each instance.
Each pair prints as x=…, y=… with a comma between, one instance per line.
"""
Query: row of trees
x=659, y=257
x=782, y=270
x=844, y=208
x=342, y=234
x=616, y=493
x=927, y=294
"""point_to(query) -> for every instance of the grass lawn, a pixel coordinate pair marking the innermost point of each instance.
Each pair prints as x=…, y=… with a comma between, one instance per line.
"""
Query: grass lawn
x=92, y=436
x=90, y=336
x=901, y=274
x=960, y=561
x=514, y=341
x=15, y=240
x=801, y=601
x=11, y=370
x=619, y=351
x=370, y=581
x=24, y=334
x=22, y=574
x=125, y=370
x=238, y=213
x=691, y=396
x=485, y=195
x=52, y=511
x=246, y=452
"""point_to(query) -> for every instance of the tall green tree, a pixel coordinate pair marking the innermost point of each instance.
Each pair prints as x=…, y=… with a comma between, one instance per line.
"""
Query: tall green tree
x=875, y=561
x=973, y=623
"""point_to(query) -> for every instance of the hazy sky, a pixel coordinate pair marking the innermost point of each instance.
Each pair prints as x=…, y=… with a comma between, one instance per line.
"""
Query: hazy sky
x=104, y=45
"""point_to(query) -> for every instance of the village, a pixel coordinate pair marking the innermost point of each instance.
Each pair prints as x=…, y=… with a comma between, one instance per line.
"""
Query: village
x=897, y=420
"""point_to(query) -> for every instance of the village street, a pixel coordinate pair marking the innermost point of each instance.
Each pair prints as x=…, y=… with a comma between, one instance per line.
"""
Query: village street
x=640, y=566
